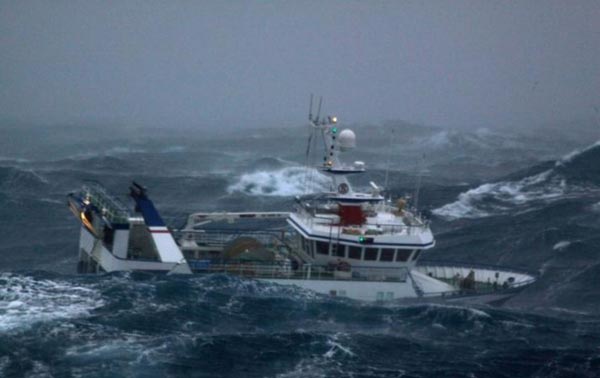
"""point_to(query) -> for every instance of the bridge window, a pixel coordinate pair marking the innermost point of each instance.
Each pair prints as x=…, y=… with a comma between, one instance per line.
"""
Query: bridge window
x=387, y=254
x=322, y=248
x=416, y=255
x=354, y=252
x=403, y=254
x=338, y=250
x=371, y=254
x=310, y=248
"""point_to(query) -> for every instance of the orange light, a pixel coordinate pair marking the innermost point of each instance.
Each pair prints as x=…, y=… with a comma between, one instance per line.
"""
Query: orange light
x=87, y=223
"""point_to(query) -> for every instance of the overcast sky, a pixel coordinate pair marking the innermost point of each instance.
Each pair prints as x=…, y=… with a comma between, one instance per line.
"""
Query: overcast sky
x=447, y=63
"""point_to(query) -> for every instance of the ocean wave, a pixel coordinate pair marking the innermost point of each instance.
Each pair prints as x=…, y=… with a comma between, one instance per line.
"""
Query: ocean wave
x=561, y=245
x=11, y=159
x=288, y=181
x=572, y=175
x=327, y=364
x=568, y=158
x=14, y=181
x=438, y=140
x=146, y=325
x=269, y=164
x=581, y=166
x=243, y=287
x=120, y=151
x=595, y=207
x=25, y=300
x=497, y=198
x=480, y=139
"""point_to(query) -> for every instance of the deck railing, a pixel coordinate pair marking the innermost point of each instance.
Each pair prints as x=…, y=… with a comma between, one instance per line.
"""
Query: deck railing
x=220, y=237
x=114, y=210
x=286, y=270
x=488, y=278
x=462, y=264
x=382, y=228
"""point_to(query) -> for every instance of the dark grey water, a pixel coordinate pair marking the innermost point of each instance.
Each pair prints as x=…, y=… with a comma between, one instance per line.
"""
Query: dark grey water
x=492, y=198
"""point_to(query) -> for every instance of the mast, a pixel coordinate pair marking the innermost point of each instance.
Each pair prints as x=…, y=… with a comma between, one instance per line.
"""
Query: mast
x=335, y=142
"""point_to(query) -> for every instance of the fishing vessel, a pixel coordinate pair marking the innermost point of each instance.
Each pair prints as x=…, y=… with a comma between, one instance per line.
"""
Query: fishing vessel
x=341, y=242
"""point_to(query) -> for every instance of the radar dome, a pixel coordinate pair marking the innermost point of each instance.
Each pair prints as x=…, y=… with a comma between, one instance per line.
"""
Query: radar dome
x=347, y=139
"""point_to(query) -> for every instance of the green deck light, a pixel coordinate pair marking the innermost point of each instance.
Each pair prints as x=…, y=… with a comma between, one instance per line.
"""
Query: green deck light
x=364, y=240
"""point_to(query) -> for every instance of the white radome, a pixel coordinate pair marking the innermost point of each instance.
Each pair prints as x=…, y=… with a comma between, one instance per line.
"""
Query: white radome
x=347, y=139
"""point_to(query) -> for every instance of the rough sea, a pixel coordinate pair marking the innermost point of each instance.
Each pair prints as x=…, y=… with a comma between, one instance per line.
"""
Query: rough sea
x=529, y=201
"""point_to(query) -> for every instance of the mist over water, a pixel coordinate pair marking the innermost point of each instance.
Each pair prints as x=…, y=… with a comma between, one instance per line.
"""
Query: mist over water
x=506, y=201
x=213, y=65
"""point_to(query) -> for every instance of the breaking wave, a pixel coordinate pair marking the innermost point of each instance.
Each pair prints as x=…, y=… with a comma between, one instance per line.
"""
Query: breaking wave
x=500, y=197
x=563, y=244
x=575, y=154
x=480, y=139
x=288, y=181
x=573, y=175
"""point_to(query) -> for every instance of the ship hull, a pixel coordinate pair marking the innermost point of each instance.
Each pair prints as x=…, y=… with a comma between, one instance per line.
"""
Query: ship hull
x=418, y=287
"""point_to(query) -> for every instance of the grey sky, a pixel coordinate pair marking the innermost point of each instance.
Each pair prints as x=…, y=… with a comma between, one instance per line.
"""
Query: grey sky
x=474, y=63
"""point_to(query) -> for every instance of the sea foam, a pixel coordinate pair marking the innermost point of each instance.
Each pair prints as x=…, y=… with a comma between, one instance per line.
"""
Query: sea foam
x=497, y=198
x=288, y=181
x=25, y=301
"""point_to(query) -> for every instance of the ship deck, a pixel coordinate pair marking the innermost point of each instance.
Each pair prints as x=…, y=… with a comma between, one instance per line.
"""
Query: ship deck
x=379, y=219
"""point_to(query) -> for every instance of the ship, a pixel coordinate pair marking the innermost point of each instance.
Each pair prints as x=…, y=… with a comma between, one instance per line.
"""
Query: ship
x=342, y=242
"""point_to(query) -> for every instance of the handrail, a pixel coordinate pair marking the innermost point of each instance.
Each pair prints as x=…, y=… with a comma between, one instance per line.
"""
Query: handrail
x=498, y=278
x=201, y=218
x=462, y=264
x=222, y=236
x=116, y=211
x=387, y=228
x=284, y=269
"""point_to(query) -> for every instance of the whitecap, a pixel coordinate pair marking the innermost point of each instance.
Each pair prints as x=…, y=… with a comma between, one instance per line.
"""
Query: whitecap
x=561, y=245
x=25, y=301
x=573, y=154
x=465, y=206
x=288, y=181
x=475, y=313
x=500, y=197
x=307, y=367
x=438, y=140
x=335, y=346
x=325, y=365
